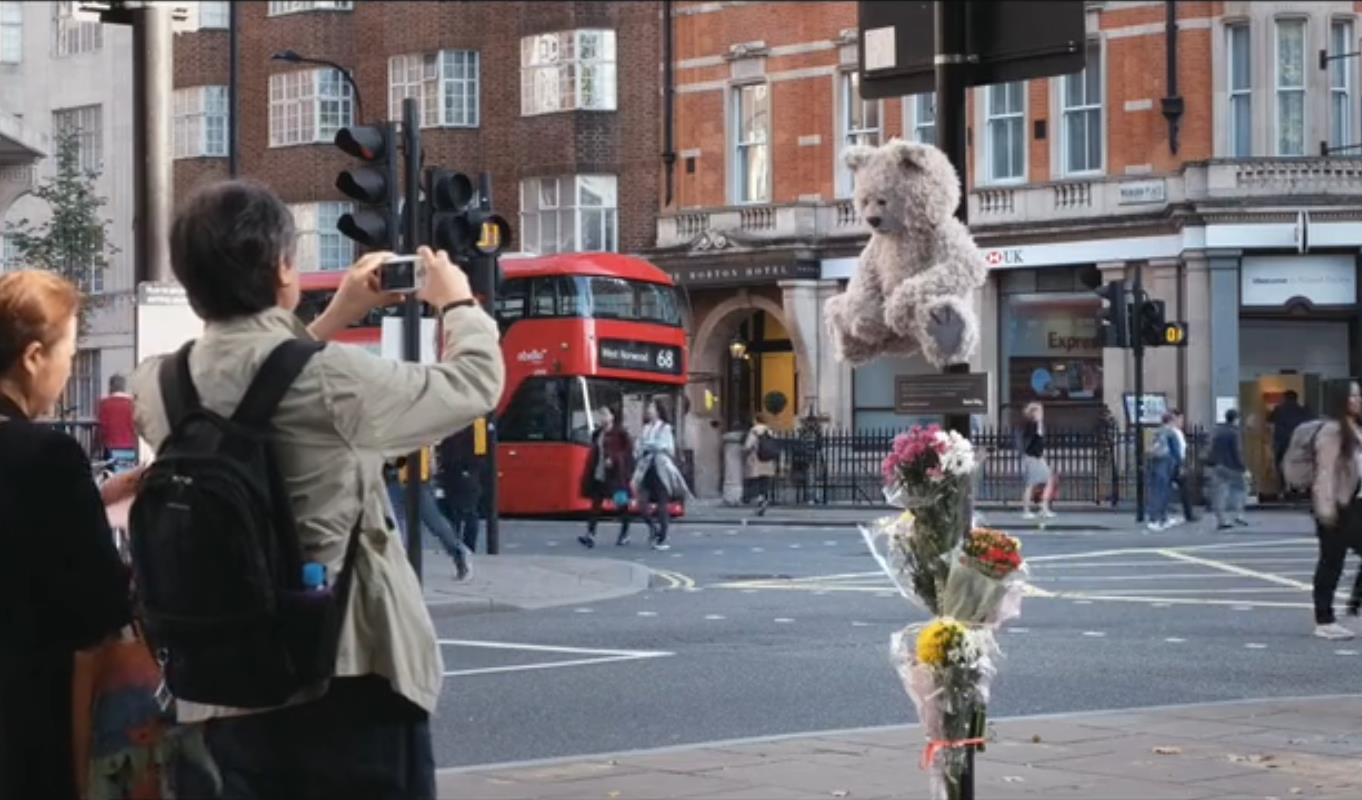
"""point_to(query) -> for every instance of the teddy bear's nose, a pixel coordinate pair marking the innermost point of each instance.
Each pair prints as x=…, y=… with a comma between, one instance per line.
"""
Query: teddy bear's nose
x=873, y=222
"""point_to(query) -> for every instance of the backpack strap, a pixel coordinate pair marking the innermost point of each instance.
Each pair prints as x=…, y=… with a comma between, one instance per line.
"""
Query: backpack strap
x=282, y=366
x=177, y=385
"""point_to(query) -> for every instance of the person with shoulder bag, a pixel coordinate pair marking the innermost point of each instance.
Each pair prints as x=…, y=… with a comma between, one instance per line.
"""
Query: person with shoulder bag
x=608, y=471
x=657, y=479
x=1337, y=501
x=293, y=624
x=762, y=452
x=62, y=585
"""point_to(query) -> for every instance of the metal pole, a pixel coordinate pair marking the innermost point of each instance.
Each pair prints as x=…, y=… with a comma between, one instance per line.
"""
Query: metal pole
x=488, y=271
x=1138, y=345
x=952, y=67
x=153, y=182
x=411, y=311
x=233, y=88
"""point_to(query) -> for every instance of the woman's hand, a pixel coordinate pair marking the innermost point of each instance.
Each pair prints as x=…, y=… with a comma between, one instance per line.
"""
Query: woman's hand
x=359, y=293
x=121, y=486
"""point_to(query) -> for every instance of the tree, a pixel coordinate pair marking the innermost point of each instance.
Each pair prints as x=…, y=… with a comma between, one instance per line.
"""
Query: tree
x=73, y=241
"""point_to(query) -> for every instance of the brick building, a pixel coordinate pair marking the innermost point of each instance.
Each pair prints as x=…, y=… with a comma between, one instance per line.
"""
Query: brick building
x=559, y=101
x=1247, y=231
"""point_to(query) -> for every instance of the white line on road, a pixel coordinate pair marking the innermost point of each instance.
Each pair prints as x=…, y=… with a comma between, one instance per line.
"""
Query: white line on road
x=585, y=610
x=783, y=620
x=1237, y=570
x=647, y=613
x=550, y=648
x=1345, y=652
x=715, y=617
x=1174, y=640
x=576, y=662
x=859, y=624
x=1095, y=634
x=1016, y=630
x=1255, y=646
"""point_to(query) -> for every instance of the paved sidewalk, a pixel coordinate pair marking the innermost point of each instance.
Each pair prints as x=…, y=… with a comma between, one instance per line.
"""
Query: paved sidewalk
x=513, y=583
x=1307, y=748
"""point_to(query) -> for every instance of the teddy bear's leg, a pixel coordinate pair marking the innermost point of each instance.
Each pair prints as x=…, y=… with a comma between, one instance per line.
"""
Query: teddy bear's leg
x=846, y=345
x=856, y=313
x=948, y=331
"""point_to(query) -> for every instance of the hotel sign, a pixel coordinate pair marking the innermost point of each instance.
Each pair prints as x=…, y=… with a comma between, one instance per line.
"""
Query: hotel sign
x=711, y=276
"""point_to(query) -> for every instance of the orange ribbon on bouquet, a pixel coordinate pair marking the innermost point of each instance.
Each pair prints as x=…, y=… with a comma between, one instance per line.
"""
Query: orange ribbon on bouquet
x=937, y=745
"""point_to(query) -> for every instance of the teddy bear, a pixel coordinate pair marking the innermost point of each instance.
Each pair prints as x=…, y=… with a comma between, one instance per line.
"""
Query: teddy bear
x=913, y=290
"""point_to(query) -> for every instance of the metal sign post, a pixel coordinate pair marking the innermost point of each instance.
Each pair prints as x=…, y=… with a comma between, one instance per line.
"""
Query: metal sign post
x=411, y=311
x=488, y=272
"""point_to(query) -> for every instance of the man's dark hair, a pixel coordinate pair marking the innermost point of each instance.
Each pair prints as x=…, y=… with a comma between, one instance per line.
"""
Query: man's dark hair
x=226, y=245
x=117, y=383
x=1291, y=396
x=1231, y=416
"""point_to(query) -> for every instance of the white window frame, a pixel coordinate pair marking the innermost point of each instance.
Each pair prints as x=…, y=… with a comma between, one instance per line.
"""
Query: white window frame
x=199, y=109
x=435, y=79
x=321, y=247
x=214, y=15
x=298, y=113
x=568, y=213
x=71, y=36
x=88, y=121
x=551, y=81
x=990, y=144
x=82, y=392
x=924, y=118
x=742, y=145
x=9, y=253
x=280, y=8
x=1340, y=71
x=850, y=130
x=1091, y=111
x=1278, y=90
x=1243, y=95
x=11, y=32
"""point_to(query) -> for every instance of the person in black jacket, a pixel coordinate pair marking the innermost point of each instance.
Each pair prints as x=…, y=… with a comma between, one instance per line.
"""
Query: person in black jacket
x=62, y=585
x=1227, y=459
x=460, y=475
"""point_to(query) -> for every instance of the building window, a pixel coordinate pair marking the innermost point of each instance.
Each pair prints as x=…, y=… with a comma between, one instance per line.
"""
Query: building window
x=11, y=32
x=924, y=118
x=85, y=122
x=73, y=36
x=1290, y=87
x=320, y=245
x=278, y=8
x=9, y=253
x=82, y=393
x=1340, y=84
x=751, y=148
x=1241, y=119
x=860, y=124
x=214, y=15
x=309, y=106
x=567, y=70
x=570, y=213
x=1082, y=102
x=445, y=85
x=201, y=122
x=1006, y=139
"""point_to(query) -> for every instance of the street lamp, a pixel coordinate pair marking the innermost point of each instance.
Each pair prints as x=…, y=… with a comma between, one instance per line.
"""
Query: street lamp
x=292, y=57
x=737, y=348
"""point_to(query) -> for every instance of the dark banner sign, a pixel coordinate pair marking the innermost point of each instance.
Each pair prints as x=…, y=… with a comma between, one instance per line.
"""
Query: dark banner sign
x=715, y=276
x=941, y=394
x=639, y=356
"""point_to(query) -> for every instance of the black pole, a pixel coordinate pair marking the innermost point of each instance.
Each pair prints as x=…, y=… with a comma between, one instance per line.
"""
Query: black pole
x=952, y=66
x=1137, y=344
x=233, y=87
x=411, y=312
x=487, y=271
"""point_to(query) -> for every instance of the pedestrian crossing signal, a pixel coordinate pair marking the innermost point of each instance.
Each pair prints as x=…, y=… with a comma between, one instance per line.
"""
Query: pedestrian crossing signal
x=1175, y=334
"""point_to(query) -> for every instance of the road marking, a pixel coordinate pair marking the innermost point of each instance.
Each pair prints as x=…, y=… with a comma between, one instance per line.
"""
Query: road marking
x=1345, y=652
x=647, y=613
x=1094, y=634
x=859, y=624
x=795, y=546
x=759, y=549
x=1174, y=640
x=830, y=543
x=1016, y=630
x=1237, y=570
x=1236, y=590
x=783, y=620
x=1255, y=646
x=715, y=617
x=749, y=591
x=1241, y=608
x=600, y=656
x=551, y=544
x=585, y=610
x=1082, y=602
x=718, y=552
x=1166, y=602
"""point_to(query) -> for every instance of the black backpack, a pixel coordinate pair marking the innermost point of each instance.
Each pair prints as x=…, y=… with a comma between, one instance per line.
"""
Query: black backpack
x=768, y=449
x=215, y=550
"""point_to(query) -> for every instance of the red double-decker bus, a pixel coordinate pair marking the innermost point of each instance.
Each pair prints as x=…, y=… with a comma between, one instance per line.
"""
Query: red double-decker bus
x=579, y=331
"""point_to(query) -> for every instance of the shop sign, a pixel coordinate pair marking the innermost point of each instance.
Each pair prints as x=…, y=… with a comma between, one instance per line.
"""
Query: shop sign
x=716, y=276
x=1275, y=281
x=1004, y=257
x=941, y=394
x=1135, y=193
x=639, y=356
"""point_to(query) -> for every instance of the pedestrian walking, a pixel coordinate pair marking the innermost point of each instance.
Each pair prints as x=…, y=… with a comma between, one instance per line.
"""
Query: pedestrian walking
x=1180, y=481
x=1284, y=419
x=1338, y=509
x=459, y=471
x=1163, y=464
x=62, y=585
x=117, y=433
x=432, y=519
x=657, y=480
x=1036, y=473
x=608, y=472
x=762, y=452
x=1227, y=470
x=362, y=728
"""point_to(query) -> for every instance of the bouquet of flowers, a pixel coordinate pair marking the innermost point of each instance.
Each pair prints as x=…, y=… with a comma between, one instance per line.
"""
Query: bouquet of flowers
x=947, y=669
x=986, y=584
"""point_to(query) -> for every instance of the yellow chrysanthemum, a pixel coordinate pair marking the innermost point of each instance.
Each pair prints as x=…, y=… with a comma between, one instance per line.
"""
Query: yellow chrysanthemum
x=935, y=641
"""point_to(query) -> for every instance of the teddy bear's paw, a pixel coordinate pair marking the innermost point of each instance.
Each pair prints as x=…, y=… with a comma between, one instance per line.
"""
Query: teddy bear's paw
x=869, y=329
x=900, y=314
x=948, y=333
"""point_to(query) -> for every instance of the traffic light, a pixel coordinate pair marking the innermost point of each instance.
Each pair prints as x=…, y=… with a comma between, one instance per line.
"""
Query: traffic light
x=1113, y=322
x=460, y=224
x=1152, y=324
x=1175, y=334
x=373, y=185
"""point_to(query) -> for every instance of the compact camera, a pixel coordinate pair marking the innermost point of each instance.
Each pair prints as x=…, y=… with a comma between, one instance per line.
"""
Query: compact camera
x=399, y=274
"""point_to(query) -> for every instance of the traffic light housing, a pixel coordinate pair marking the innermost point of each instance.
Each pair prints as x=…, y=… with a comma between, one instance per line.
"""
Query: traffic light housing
x=1113, y=321
x=460, y=223
x=1151, y=323
x=373, y=185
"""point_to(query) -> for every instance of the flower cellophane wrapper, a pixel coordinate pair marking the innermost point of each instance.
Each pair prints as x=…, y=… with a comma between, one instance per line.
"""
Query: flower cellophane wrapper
x=946, y=699
x=979, y=599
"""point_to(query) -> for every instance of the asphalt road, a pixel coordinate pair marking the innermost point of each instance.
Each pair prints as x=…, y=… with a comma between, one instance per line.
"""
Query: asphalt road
x=763, y=631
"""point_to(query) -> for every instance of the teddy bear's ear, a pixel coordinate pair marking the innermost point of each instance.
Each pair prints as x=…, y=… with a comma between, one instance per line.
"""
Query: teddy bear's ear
x=906, y=154
x=857, y=156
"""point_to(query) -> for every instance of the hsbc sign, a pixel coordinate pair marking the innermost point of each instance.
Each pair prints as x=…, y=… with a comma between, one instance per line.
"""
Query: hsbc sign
x=1004, y=257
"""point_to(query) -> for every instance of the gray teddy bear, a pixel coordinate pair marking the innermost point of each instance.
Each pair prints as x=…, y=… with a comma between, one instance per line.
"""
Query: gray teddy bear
x=917, y=277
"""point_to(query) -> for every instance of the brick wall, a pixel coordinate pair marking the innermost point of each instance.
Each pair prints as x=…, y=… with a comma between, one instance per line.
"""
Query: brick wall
x=624, y=142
